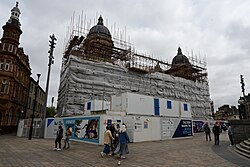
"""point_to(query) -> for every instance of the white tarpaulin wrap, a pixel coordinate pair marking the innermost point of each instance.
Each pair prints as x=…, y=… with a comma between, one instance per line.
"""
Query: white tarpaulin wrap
x=83, y=80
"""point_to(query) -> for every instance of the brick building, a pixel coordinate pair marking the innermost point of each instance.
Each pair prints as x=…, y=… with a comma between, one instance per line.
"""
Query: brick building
x=15, y=75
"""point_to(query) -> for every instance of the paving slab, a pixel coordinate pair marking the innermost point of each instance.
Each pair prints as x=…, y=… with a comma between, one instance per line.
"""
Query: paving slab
x=189, y=152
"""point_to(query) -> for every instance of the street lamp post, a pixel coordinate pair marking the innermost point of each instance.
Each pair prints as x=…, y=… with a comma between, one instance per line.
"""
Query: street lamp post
x=34, y=107
x=51, y=61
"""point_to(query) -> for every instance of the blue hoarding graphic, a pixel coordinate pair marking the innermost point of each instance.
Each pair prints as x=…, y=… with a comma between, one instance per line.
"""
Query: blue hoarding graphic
x=184, y=129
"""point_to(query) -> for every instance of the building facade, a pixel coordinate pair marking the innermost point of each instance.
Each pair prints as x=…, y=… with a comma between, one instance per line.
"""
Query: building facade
x=244, y=107
x=96, y=66
x=226, y=113
x=15, y=75
x=40, y=96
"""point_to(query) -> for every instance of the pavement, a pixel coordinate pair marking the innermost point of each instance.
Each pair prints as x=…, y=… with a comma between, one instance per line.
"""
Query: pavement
x=189, y=152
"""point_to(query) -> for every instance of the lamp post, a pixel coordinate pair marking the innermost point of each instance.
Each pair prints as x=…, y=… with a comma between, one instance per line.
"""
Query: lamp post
x=34, y=107
x=51, y=61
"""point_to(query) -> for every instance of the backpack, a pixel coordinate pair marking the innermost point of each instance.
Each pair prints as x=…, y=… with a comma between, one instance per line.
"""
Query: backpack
x=70, y=131
x=206, y=129
x=214, y=129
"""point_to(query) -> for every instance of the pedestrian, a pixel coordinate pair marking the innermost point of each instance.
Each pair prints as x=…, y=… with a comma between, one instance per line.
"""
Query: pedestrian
x=114, y=142
x=59, y=136
x=216, y=131
x=207, y=131
x=107, y=141
x=122, y=147
x=230, y=135
x=68, y=134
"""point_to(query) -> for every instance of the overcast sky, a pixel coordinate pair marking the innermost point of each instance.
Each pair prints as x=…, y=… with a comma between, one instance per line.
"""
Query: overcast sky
x=216, y=30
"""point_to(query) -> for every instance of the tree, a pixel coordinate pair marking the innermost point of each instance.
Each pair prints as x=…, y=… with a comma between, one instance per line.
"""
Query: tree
x=50, y=112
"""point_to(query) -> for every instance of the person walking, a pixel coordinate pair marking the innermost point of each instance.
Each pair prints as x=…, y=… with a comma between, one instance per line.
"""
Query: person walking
x=230, y=135
x=107, y=141
x=216, y=131
x=114, y=142
x=67, y=137
x=207, y=131
x=59, y=136
x=123, y=138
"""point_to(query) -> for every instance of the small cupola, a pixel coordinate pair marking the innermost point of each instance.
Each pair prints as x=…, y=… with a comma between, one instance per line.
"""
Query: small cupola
x=15, y=12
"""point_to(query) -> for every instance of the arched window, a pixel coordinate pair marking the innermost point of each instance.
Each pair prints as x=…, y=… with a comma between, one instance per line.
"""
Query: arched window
x=10, y=48
x=7, y=65
x=1, y=64
x=3, y=87
x=4, y=47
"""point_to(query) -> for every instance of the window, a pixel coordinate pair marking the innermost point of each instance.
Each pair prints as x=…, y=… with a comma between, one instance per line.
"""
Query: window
x=15, y=50
x=17, y=72
x=3, y=87
x=7, y=65
x=14, y=91
x=1, y=64
x=10, y=48
x=169, y=104
x=185, y=107
x=31, y=87
x=8, y=88
x=11, y=67
x=4, y=47
x=88, y=105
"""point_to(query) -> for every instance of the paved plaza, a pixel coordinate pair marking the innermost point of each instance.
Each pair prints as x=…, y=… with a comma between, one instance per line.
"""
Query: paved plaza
x=19, y=151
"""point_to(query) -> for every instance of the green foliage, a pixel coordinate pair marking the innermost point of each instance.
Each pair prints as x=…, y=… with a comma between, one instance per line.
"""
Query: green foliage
x=50, y=111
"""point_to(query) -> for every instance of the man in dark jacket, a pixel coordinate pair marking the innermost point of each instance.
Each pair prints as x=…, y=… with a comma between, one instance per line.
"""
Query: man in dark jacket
x=207, y=130
x=216, y=131
x=59, y=136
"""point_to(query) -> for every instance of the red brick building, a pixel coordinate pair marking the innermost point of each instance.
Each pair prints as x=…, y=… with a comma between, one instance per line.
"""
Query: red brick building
x=15, y=75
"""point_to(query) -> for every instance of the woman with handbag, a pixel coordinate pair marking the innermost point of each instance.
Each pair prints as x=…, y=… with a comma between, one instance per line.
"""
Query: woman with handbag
x=107, y=141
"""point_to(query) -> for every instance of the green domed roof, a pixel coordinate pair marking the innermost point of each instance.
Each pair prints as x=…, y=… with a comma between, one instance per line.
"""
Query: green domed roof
x=100, y=28
x=180, y=58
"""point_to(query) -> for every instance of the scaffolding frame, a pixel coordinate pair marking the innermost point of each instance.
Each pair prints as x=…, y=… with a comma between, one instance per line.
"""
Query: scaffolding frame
x=124, y=52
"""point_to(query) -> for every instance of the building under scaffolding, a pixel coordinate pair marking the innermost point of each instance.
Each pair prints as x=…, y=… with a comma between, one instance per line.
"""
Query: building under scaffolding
x=96, y=66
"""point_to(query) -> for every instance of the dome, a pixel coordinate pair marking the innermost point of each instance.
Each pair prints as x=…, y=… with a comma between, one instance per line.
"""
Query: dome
x=180, y=58
x=16, y=9
x=99, y=28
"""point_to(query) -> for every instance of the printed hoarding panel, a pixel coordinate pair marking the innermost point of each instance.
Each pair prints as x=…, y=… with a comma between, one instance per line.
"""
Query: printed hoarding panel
x=52, y=127
x=175, y=128
x=84, y=128
x=198, y=126
x=184, y=129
